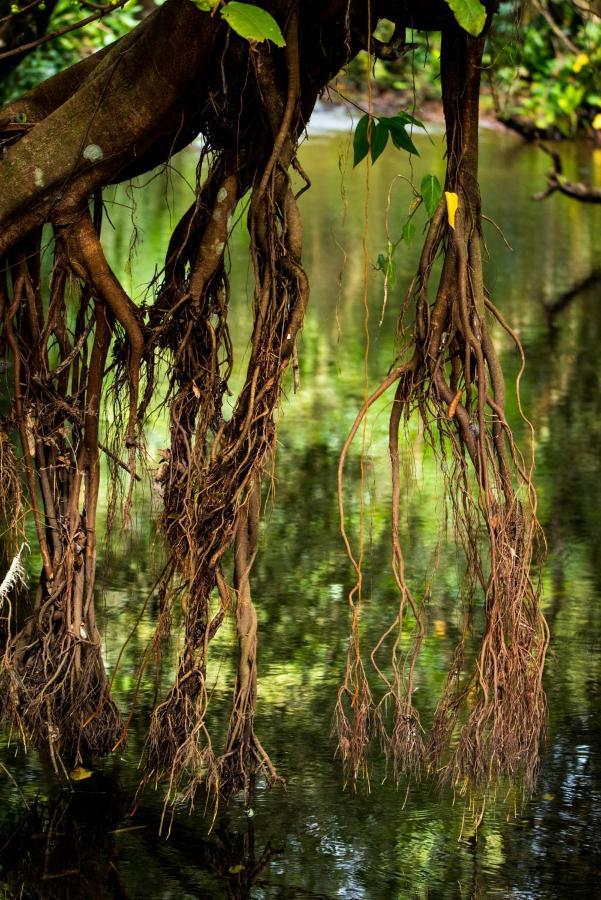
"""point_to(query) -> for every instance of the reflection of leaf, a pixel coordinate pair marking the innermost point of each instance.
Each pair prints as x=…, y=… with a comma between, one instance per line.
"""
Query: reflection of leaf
x=252, y=22
x=431, y=192
x=80, y=774
x=470, y=14
x=452, y=205
x=440, y=627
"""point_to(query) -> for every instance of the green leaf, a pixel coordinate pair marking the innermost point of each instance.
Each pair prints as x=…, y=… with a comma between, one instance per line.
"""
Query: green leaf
x=400, y=138
x=387, y=265
x=205, y=5
x=409, y=120
x=252, y=22
x=408, y=232
x=470, y=14
x=379, y=139
x=360, y=143
x=431, y=192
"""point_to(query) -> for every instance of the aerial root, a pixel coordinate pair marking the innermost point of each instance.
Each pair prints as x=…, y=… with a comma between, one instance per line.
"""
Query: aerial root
x=489, y=722
x=212, y=474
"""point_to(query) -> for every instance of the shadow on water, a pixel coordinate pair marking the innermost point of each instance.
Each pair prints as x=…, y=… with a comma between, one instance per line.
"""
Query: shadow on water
x=315, y=839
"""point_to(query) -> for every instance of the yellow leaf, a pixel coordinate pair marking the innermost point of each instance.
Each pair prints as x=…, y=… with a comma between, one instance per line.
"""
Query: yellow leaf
x=580, y=62
x=452, y=205
x=234, y=870
x=80, y=774
x=455, y=401
x=597, y=122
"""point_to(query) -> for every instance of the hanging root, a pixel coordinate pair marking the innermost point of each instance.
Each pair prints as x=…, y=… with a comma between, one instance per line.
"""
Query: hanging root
x=454, y=380
x=243, y=754
x=212, y=475
x=54, y=684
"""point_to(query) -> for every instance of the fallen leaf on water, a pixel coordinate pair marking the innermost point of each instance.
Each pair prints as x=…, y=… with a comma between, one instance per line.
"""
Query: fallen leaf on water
x=440, y=627
x=128, y=828
x=80, y=774
x=48, y=876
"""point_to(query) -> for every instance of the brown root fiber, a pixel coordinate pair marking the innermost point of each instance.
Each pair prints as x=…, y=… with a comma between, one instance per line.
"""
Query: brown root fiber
x=488, y=723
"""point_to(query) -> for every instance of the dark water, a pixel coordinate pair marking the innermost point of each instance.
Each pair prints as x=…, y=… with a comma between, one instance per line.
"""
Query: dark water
x=315, y=839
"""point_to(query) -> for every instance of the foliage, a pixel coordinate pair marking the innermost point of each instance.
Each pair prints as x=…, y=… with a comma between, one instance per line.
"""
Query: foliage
x=68, y=48
x=247, y=20
x=252, y=22
x=372, y=133
x=549, y=77
x=541, y=66
x=470, y=14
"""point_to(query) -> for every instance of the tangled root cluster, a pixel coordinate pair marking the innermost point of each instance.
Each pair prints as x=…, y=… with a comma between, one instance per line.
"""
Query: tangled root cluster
x=488, y=722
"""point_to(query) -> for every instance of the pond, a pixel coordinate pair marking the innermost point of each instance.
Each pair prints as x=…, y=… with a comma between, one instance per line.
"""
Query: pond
x=316, y=838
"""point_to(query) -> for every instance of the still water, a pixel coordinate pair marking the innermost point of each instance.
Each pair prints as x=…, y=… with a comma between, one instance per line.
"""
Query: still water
x=316, y=839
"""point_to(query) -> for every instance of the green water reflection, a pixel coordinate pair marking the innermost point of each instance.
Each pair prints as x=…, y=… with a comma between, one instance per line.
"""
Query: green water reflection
x=314, y=839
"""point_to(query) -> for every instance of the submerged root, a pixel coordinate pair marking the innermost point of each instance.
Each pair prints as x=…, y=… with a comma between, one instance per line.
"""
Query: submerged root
x=178, y=749
x=56, y=692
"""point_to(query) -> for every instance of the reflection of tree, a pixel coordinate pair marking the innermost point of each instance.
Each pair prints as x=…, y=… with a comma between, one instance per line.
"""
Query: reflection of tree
x=72, y=846
x=568, y=404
